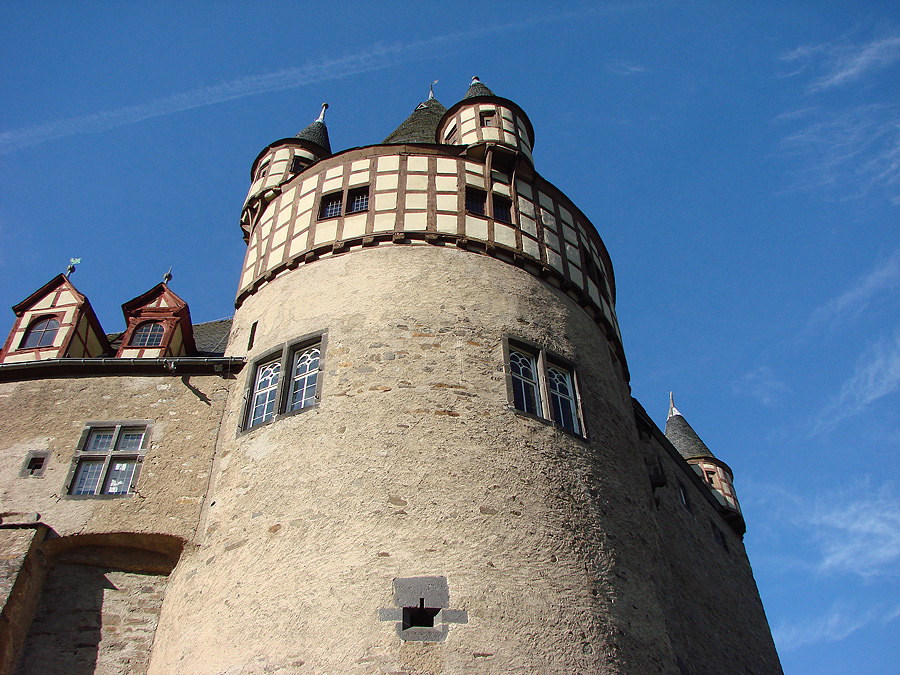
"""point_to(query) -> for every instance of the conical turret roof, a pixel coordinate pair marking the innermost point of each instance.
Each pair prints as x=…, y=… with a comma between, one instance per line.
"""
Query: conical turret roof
x=477, y=89
x=317, y=132
x=421, y=126
x=683, y=436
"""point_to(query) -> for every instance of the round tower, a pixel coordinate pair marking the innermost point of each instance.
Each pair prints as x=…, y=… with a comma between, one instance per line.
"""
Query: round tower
x=430, y=461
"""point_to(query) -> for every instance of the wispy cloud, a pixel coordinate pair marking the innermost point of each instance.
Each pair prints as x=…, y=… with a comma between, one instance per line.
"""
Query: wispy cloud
x=844, y=63
x=625, y=68
x=373, y=58
x=885, y=277
x=848, y=153
x=876, y=375
x=760, y=384
x=838, y=623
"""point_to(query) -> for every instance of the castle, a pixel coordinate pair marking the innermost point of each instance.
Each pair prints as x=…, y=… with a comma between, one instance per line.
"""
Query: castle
x=412, y=450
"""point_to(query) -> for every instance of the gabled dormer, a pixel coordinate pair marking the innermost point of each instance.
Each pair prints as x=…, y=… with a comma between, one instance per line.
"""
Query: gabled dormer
x=158, y=325
x=55, y=322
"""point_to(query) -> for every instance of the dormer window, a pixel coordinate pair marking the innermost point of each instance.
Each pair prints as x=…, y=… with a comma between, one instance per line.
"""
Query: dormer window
x=148, y=334
x=42, y=333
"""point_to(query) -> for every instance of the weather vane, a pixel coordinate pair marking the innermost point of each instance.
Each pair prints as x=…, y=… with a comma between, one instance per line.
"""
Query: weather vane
x=71, y=267
x=167, y=277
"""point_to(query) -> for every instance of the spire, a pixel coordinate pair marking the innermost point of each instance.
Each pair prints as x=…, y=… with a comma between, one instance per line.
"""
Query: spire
x=421, y=126
x=317, y=132
x=683, y=436
x=477, y=89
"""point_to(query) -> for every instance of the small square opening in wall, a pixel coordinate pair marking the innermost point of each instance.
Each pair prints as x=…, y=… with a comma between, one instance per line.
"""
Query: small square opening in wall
x=34, y=464
x=420, y=616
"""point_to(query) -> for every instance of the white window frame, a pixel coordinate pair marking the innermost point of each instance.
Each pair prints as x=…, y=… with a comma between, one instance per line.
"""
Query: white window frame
x=107, y=456
x=547, y=369
x=281, y=393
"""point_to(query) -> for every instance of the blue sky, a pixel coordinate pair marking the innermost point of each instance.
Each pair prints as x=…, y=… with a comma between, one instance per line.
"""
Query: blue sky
x=740, y=160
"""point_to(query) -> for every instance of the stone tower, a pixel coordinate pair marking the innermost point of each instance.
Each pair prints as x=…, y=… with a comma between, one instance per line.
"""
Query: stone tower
x=418, y=453
x=431, y=463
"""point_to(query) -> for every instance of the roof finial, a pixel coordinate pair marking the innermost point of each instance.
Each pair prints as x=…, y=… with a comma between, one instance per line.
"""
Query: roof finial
x=167, y=277
x=71, y=267
x=474, y=80
x=322, y=114
x=431, y=91
x=672, y=409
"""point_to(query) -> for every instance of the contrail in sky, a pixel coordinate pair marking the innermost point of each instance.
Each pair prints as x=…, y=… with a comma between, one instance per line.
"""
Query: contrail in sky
x=374, y=58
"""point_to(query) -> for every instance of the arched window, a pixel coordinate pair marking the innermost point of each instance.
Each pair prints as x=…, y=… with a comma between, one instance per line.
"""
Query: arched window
x=42, y=333
x=147, y=335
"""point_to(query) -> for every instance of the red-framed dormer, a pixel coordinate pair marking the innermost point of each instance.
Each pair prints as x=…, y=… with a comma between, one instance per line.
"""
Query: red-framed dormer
x=55, y=322
x=158, y=325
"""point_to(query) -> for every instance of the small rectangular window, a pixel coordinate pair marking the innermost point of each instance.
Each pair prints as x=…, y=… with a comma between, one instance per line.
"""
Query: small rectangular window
x=331, y=206
x=487, y=118
x=298, y=163
x=475, y=201
x=358, y=200
x=540, y=386
x=450, y=136
x=109, y=459
x=263, y=170
x=502, y=209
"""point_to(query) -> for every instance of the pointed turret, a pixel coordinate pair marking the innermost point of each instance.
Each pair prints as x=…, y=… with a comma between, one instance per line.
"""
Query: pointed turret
x=682, y=435
x=421, y=126
x=716, y=473
x=317, y=132
x=477, y=88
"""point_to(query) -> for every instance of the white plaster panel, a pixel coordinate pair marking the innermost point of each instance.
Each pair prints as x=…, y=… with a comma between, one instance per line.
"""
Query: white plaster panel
x=555, y=260
x=504, y=235
x=279, y=236
x=359, y=165
x=576, y=277
x=385, y=201
x=298, y=244
x=283, y=153
x=526, y=208
x=309, y=184
x=447, y=223
x=507, y=124
x=387, y=181
x=265, y=229
x=275, y=257
x=467, y=114
x=447, y=202
x=476, y=227
x=332, y=184
x=303, y=220
x=548, y=219
x=531, y=247
x=415, y=221
x=469, y=137
x=66, y=298
x=467, y=127
x=288, y=195
x=283, y=216
x=446, y=183
x=334, y=172
x=593, y=292
x=416, y=183
x=416, y=200
x=490, y=133
x=445, y=165
x=417, y=163
x=509, y=139
x=474, y=167
x=305, y=203
x=44, y=303
x=524, y=189
x=500, y=176
x=354, y=226
x=304, y=153
x=358, y=178
x=326, y=231
x=472, y=179
x=501, y=189
x=272, y=179
x=528, y=225
x=569, y=234
x=384, y=222
x=388, y=163
x=551, y=240
x=524, y=149
x=506, y=113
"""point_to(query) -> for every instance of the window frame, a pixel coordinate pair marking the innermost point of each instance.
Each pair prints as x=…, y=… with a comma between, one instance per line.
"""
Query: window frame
x=544, y=360
x=30, y=330
x=352, y=194
x=150, y=323
x=285, y=355
x=108, y=456
x=326, y=200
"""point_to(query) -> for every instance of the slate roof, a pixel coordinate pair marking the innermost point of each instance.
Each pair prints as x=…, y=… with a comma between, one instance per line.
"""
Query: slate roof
x=684, y=438
x=211, y=337
x=421, y=126
x=477, y=89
